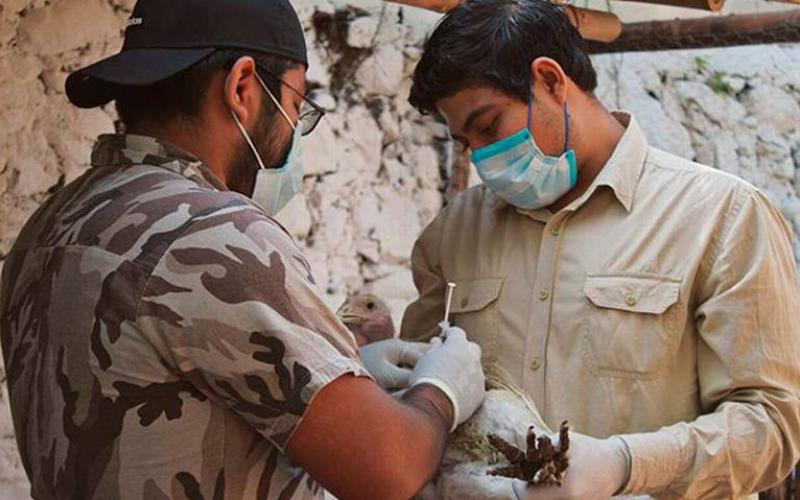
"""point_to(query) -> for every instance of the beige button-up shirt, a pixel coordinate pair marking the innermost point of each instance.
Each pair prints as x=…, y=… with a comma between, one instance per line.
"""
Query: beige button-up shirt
x=661, y=305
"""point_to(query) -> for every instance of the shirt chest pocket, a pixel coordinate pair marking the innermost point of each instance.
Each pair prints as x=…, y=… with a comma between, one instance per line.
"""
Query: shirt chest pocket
x=630, y=324
x=474, y=310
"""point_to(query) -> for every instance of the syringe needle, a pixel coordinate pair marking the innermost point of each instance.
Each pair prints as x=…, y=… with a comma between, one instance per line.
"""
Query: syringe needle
x=447, y=302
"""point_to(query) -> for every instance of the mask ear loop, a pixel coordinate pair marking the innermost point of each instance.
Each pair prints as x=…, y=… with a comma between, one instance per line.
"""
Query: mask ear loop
x=566, y=117
x=244, y=132
x=566, y=126
x=530, y=102
x=275, y=101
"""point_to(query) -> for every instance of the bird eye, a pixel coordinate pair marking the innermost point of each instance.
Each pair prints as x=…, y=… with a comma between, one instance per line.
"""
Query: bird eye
x=370, y=305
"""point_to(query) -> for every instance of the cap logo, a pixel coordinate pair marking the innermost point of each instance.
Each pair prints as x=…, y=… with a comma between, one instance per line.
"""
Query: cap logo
x=134, y=21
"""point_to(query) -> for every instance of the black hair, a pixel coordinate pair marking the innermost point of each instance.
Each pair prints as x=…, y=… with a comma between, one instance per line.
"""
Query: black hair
x=493, y=43
x=181, y=95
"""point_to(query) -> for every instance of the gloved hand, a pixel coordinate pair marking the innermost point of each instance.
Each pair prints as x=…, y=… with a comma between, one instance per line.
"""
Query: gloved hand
x=390, y=361
x=454, y=366
x=598, y=468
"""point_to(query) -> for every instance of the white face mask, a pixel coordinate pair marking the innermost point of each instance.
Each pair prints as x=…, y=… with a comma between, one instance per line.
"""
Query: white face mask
x=275, y=187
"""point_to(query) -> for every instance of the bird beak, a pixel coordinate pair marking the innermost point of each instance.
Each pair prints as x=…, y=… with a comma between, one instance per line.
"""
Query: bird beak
x=349, y=318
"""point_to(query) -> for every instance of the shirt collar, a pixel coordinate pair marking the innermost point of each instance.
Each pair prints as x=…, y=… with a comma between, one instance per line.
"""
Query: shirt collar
x=119, y=150
x=620, y=173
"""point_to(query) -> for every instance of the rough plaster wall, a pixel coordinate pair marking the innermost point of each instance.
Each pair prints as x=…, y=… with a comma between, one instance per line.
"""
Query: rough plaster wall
x=376, y=169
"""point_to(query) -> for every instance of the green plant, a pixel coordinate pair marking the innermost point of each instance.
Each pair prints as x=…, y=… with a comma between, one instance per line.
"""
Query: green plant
x=719, y=84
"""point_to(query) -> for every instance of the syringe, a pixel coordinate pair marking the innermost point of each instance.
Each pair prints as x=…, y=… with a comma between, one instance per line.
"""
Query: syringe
x=445, y=324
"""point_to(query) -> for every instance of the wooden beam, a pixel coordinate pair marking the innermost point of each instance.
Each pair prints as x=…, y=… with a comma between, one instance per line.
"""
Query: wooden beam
x=712, y=31
x=594, y=25
x=434, y=5
x=712, y=5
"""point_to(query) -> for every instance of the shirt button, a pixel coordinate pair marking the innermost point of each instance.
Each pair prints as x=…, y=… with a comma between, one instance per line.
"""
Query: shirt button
x=536, y=364
x=630, y=300
x=464, y=302
x=544, y=294
x=555, y=230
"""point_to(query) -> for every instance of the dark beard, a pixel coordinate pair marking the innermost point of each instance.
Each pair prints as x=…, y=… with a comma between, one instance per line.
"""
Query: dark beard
x=244, y=166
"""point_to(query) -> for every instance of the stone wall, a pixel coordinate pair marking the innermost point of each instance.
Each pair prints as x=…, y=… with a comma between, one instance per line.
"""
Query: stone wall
x=377, y=171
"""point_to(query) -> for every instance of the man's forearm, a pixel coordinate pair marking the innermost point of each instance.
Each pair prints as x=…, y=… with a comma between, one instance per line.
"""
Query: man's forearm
x=359, y=442
x=433, y=402
x=738, y=449
x=431, y=405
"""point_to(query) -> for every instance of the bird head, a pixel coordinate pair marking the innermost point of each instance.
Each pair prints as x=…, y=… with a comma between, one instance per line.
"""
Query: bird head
x=368, y=317
x=361, y=308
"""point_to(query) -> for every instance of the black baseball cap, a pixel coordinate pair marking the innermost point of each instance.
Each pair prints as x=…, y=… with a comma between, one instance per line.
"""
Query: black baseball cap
x=163, y=38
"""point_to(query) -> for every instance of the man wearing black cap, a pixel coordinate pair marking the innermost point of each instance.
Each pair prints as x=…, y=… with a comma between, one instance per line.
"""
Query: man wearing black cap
x=163, y=335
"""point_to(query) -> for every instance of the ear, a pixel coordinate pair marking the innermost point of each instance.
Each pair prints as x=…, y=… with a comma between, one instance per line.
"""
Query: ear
x=550, y=77
x=242, y=90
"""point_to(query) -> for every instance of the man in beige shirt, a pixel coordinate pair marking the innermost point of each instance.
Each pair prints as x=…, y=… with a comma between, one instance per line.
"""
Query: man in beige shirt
x=164, y=335
x=650, y=301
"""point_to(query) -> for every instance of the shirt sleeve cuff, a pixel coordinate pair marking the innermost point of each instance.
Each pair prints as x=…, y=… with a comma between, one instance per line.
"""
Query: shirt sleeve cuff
x=655, y=461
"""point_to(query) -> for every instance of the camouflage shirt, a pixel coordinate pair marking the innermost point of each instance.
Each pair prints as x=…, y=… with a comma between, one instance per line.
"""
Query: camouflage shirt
x=163, y=337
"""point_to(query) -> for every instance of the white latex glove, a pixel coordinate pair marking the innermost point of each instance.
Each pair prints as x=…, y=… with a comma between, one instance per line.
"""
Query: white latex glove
x=454, y=366
x=390, y=361
x=598, y=468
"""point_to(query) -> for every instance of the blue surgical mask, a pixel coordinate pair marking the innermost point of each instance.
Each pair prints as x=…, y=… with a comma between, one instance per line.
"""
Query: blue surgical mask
x=275, y=187
x=517, y=170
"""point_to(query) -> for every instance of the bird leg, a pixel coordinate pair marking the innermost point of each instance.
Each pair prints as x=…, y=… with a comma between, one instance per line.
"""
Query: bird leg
x=541, y=463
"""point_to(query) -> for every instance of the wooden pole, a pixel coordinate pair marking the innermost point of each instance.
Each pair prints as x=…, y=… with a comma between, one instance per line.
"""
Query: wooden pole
x=594, y=24
x=434, y=5
x=712, y=5
x=713, y=31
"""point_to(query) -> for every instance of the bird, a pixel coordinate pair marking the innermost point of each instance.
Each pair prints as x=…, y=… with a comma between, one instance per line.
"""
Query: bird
x=506, y=412
x=367, y=317
x=465, y=470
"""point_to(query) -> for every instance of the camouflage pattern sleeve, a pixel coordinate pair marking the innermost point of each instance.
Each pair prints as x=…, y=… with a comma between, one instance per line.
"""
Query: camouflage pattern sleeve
x=232, y=307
